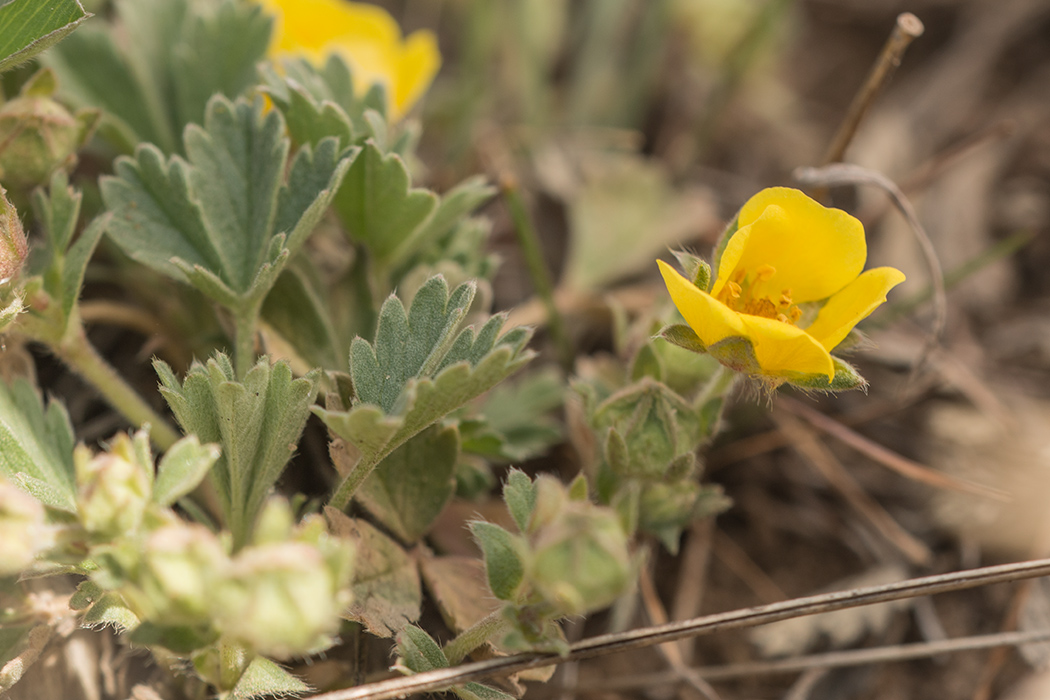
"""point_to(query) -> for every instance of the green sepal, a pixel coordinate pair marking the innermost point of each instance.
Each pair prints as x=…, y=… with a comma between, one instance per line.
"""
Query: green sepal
x=684, y=337
x=181, y=639
x=110, y=609
x=731, y=228
x=737, y=353
x=696, y=269
x=504, y=559
x=519, y=493
x=846, y=378
x=265, y=677
x=417, y=652
x=182, y=468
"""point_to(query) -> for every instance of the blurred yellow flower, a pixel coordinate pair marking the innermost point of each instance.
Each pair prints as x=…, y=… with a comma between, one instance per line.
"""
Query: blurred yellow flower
x=787, y=250
x=366, y=37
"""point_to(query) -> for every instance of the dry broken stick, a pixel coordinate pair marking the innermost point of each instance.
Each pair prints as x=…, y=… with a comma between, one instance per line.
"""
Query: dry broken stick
x=737, y=619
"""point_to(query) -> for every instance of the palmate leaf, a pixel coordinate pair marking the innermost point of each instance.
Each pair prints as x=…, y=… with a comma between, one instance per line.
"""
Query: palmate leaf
x=419, y=371
x=174, y=55
x=36, y=446
x=27, y=27
x=222, y=220
x=256, y=422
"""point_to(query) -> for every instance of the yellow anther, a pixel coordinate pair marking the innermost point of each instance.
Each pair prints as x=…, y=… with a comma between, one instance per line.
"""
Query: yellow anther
x=734, y=289
x=764, y=272
x=796, y=314
x=783, y=319
x=785, y=298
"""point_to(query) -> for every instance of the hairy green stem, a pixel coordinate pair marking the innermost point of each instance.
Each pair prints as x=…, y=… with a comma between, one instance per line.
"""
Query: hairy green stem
x=245, y=324
x=342, y=496
x=475, y=635
x=77, y=351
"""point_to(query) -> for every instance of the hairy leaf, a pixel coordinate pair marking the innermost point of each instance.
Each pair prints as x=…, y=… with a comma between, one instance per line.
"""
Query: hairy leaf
x=386, y=591
x=27, y=27
x=182, y=468
x=503, y=559
x=257, y=423
x=36, y=446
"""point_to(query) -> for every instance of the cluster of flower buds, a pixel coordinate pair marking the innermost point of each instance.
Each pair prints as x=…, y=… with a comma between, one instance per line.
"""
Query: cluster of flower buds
x=643, y=461
x=570, y=557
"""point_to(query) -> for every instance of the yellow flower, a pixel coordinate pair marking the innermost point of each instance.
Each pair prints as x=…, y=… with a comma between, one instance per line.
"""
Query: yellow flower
x=787, y=250
x=366, y=37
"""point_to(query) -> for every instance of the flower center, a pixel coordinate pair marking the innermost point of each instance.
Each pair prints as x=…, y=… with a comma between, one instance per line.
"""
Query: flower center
x=741, y=294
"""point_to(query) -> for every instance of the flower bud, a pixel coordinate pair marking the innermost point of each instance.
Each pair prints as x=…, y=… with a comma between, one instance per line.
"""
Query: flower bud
x=282, y=599
x=112, y=490
x=173, y=580
x=13, y=245
x=24, y=531
x=580, y=560
x=39, y=135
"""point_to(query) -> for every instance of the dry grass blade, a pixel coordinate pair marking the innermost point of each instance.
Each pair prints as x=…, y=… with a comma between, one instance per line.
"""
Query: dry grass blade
x=821, y=458
x=848, y=174
x=710, y=624
x=888, y=458
x=834, y=659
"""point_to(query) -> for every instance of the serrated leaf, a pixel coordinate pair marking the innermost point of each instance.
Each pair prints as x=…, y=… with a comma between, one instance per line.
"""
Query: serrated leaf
x=182, y=468
x=504, y=565
x=299, y=314
x=520, y=496
x=450, y=210
x=408, y=345
x=27, y=27
x=257, y=423
x=410, y=487
x=36, y=446
x=222, y=220
x=377, y=204
x=515, y=420
x=76, y=261
x=86, y=594
x=418, y=652
x=386, y=590
x=460, y=588
x=110, y=609
x=266, y=677
x=172, y=57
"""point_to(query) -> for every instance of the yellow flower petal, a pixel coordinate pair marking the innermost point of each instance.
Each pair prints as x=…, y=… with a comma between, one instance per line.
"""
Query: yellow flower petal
x=367, y=37
x=780, y=348
x=852, y=304
x=712, y=320
x=814, y=250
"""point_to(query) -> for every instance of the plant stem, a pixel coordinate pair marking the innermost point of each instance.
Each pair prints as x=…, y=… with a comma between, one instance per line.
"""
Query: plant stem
x=529, y=241
x=77, y=352
x=342, y=496
x=244, y=339
x=474, y=636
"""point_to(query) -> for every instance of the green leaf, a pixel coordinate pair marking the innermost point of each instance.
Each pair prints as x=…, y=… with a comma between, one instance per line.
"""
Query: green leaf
x=58, y=208
x=222, y=220
x=409, y=489
x=514, y=419
x=377, y=205
x=182, y=468
x=520, y=495
x=76, y=262
x=87, y=593
x=478, y=691
x=481, y=363
x=27, y=27
x=504, y=563
x=266, y=677
x=171, y=58
x=418, y=652
x=36, y=446
x=181, y=639
x=295, y=310
x=386, y=591
x=110, y=609
x=257, y=422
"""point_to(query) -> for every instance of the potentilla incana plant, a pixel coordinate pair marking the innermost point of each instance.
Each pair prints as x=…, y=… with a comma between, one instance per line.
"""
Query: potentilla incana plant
x=259, y=204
